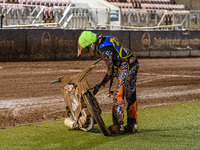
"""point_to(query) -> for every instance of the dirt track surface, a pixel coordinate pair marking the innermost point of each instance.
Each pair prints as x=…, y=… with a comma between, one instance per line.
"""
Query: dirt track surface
x=26, y=95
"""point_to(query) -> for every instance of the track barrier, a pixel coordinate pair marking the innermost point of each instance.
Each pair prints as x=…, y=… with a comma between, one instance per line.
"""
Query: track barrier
x=60, y=44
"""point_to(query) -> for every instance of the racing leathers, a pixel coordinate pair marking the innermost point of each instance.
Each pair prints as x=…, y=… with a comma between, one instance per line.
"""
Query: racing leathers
x=115, y=55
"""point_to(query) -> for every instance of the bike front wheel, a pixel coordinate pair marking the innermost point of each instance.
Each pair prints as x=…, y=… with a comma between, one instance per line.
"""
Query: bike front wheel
x=95, y=113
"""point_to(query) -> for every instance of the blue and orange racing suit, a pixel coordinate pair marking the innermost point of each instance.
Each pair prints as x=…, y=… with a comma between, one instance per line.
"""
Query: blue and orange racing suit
x=113, y=53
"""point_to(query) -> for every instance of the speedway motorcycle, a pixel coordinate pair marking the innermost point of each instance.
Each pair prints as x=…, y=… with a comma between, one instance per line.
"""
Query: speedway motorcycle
x=83, y=110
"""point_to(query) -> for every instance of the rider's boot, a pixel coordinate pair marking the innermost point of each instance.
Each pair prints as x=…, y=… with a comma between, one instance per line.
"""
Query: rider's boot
x=116, y=129
x=131, y=126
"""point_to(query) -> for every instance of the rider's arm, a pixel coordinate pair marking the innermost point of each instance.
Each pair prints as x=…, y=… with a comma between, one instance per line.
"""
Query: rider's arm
x=107, y=56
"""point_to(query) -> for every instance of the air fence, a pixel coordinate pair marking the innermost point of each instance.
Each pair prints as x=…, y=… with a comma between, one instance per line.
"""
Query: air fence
x=61, y=44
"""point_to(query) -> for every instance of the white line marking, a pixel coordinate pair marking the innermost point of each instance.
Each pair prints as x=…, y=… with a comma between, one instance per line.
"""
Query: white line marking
x=12, y=104
x=170, y=75
x=75, y=70
x=150, y=80
x=162, y=76
x=81, y=70
x=160, y=94
x=164, y=104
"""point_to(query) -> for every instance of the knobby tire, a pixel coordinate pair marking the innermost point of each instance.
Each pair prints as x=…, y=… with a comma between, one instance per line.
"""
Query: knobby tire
x=96, y=115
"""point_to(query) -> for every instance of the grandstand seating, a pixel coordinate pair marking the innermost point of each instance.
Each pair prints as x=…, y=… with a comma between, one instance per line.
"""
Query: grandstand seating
x=148, y=4
x=130, y=7
x=48, y=3
x=133, y=12
x=10, y=1
x=163, y=6
x=48, y=14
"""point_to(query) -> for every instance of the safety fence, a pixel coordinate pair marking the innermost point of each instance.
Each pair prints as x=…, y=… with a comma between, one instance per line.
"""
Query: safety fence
x=35, y=16
x=60, y=44
x=69, y=17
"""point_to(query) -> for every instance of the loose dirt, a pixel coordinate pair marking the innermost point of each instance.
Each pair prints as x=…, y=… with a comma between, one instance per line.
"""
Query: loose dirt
x=26, y=95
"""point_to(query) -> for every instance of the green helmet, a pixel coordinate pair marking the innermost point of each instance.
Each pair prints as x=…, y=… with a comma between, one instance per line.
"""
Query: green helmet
x=86, y=38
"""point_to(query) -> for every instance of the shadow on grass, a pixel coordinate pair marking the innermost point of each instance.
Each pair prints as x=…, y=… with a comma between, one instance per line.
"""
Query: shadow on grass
x=95, y=130
x=98, y=131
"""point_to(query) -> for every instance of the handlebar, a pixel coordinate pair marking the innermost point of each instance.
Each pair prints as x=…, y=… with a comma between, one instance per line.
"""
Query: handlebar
x=56, y=81
x=80, y=77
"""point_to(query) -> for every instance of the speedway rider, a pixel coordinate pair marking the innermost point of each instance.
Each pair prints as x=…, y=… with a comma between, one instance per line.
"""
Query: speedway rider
x=115, y=55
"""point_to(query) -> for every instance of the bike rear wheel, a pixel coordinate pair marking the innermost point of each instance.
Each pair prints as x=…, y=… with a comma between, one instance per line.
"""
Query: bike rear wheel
x=95, y=113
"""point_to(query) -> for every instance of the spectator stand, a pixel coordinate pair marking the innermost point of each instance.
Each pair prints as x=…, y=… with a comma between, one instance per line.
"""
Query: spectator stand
x=147, y=12
x=133, y=14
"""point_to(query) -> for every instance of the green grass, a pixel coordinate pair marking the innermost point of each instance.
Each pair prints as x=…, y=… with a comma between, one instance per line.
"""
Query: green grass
x=174, y=127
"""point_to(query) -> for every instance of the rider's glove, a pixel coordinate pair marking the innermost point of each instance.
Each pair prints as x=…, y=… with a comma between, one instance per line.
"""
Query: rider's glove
x=110, y=93
x=59, y=79
x=96, y=88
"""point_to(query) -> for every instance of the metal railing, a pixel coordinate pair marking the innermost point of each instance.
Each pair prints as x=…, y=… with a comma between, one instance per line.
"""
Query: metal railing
x=157, y=19
x=19, y=15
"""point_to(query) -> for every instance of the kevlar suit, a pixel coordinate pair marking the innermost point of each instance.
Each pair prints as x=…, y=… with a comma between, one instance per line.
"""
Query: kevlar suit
x=114, y=55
